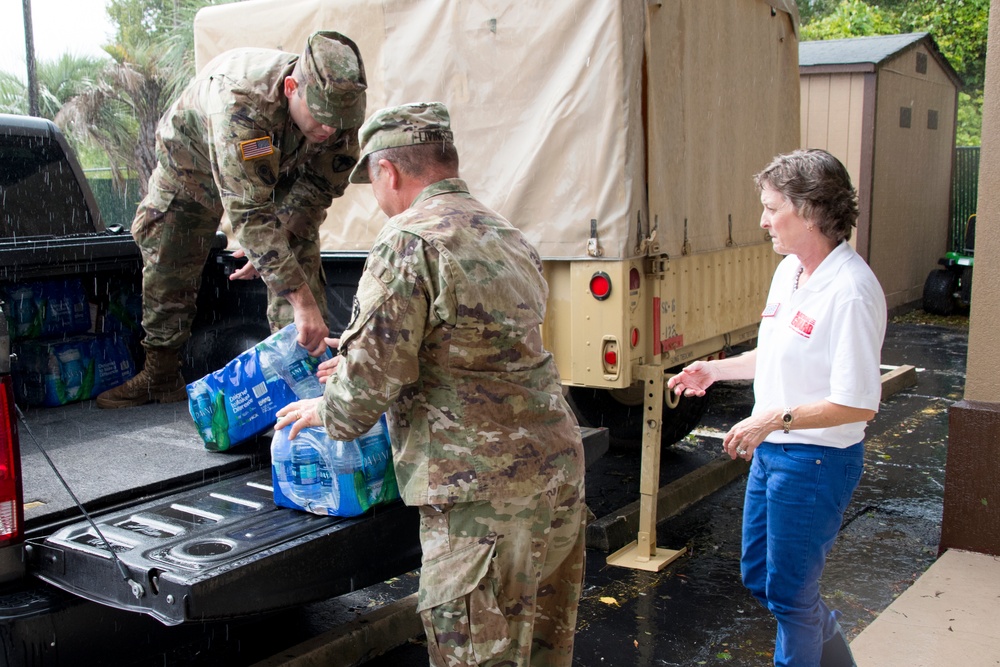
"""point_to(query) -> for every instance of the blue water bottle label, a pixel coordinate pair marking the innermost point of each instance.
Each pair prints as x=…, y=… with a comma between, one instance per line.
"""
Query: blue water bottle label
x=305, y=474
x=299, y=370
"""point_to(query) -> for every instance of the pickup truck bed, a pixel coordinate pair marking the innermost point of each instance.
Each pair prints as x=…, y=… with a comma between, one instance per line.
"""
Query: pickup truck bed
x=106, y=455
x=192, y=555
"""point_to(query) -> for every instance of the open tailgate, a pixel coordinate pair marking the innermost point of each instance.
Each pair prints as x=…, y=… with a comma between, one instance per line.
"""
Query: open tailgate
x=225, y=550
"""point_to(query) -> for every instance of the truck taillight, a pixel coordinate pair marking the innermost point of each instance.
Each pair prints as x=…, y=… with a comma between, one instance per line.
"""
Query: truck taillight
x=11, y=505
x=600, y=285
x=609, y=354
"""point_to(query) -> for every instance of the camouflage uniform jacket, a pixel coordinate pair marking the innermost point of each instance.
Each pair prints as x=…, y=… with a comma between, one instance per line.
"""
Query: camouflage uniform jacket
x=276, y=183
x=446, y=336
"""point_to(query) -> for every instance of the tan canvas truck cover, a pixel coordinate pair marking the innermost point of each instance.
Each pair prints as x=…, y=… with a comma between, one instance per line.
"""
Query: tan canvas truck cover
x=548, y=135
x=610, y=131
x=547, y=105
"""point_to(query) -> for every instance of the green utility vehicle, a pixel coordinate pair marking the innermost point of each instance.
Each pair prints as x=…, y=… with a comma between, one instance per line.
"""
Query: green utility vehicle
x=949, y=290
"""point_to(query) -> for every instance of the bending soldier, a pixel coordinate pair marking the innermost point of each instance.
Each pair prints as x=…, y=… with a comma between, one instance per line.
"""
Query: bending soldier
x=268, y=139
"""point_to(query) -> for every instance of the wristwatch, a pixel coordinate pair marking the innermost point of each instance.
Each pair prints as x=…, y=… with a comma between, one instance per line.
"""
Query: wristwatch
x=786, y=419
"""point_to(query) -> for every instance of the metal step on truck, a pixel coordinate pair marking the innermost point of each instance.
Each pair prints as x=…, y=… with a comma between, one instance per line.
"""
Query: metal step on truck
x=620, y=135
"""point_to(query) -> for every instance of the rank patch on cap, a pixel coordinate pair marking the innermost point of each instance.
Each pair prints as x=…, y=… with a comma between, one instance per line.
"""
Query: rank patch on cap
x=255, y=148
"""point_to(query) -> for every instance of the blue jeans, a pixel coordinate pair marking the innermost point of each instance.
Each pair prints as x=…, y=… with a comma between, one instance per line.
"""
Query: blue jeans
x=795, y=501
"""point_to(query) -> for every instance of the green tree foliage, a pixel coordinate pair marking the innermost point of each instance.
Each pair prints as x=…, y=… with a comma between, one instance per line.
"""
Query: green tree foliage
x=851, y=18
x=58, y=81
x=970, y=119
x=959, y=27
x=809, y=9
x=144, y=21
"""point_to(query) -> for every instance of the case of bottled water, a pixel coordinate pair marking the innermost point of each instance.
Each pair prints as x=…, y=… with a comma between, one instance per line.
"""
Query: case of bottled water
x=241, y=400
x=47, y=308
x=322, y=475
x=76, y=368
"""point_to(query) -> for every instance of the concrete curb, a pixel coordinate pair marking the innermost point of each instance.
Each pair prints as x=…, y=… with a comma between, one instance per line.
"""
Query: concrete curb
x=358, y=641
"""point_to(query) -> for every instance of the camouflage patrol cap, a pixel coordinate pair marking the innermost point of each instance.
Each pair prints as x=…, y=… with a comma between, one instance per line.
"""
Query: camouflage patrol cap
x=334, y=79
x=405, y=125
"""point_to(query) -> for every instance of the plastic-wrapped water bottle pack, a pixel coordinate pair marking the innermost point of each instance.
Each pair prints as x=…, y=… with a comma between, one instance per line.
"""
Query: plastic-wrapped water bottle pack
x=241, y=400
x=322, y=475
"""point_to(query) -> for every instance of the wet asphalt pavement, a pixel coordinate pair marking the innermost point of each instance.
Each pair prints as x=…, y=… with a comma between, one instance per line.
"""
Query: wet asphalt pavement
x=696, y=611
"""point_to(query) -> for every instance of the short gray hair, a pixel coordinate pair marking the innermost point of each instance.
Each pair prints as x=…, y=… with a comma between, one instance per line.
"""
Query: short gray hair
x=818, y=186
x=418, y=160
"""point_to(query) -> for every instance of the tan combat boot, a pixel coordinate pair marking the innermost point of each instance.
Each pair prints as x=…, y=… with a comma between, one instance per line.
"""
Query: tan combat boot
x=160, y=381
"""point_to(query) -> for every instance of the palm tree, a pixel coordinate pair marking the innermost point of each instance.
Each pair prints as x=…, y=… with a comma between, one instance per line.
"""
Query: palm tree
x=120, y=109
x=13, y=94
x=59, y=80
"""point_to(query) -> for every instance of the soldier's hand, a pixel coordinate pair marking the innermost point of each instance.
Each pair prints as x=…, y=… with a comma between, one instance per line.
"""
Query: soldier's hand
x=329, y=367
x=245, y=272
x=309, y=320
x=312, y=330
x=300, y=414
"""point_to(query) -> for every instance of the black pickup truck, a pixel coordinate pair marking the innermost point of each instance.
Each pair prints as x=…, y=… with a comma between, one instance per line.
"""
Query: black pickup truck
x=110, y=517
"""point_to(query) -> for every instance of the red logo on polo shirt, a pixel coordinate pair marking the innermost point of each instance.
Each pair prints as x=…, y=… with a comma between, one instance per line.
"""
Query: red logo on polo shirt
x=802, y=324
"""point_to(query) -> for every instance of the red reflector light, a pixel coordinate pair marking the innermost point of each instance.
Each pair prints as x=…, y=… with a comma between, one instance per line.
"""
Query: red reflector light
x=600, y=286
x=11, y=505
x=609, y=350
x=633, y=278
x=634, y=337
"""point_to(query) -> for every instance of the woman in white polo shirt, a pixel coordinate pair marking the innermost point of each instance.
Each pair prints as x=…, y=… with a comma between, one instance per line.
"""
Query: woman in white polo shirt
x=816, y=384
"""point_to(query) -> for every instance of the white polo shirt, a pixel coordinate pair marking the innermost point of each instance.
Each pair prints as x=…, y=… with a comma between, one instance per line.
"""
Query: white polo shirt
x=821, y=341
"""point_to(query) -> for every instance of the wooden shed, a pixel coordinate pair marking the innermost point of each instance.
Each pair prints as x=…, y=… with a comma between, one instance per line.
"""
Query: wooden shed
x=886, y=107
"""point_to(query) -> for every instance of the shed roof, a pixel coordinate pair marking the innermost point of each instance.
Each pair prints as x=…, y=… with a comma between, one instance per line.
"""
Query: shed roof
x=867, y=52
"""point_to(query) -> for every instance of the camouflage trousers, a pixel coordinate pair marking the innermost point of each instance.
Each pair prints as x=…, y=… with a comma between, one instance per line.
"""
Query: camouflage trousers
x=175, y=243
x=500, y=582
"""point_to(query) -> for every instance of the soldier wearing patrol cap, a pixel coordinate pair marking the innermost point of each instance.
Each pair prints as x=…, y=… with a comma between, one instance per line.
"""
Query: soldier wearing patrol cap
x=267, y=139
x=446, y=337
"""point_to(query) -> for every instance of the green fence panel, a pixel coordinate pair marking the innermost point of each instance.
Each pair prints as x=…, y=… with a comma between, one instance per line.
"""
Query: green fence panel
x=964, y=192
x=117, y=206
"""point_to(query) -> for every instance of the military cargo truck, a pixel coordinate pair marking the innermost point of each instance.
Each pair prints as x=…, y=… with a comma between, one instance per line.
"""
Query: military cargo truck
x=621, y=136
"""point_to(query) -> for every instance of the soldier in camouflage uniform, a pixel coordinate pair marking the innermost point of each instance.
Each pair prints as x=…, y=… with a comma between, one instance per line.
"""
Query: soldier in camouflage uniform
x=446, y=337
x=268, y=139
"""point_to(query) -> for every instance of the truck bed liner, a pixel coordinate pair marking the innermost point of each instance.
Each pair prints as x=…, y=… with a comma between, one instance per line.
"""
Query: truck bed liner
x=104, y=454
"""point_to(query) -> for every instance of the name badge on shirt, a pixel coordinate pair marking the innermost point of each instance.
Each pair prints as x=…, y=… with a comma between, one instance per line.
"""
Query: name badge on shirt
x=256, y=148
x=770, y=309
x=802, y=324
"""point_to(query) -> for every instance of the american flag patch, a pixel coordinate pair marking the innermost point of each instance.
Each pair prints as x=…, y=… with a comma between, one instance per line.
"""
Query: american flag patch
x=256, y=148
